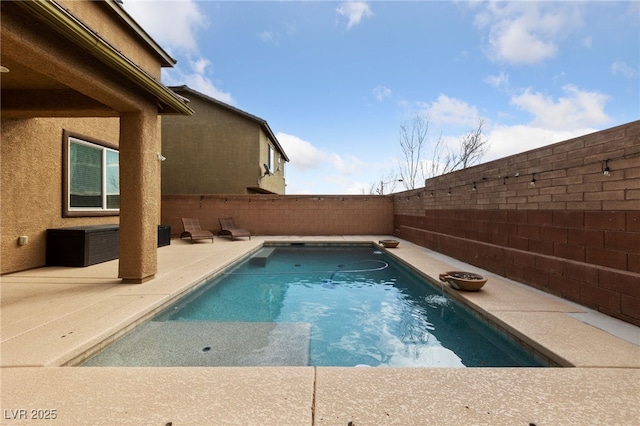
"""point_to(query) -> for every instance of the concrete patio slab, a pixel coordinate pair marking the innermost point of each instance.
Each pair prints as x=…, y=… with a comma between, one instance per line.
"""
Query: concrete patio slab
x=61, y=316
x=53, y=301
x=582, y=344
x=159, y=396
x=59, y=341
x=478, y=396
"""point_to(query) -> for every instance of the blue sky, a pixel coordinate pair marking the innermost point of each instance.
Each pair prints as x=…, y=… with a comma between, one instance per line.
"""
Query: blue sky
x=336, y=80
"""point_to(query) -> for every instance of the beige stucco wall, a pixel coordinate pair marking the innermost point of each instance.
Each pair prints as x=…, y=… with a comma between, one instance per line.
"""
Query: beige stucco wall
x=96, y=16
x=31, y=196
x=51, y=76
x=215, y=151
x=275, y=182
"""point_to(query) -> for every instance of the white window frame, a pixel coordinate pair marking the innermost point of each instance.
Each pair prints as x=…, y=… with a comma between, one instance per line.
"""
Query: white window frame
x=70, y=138
x=271, y=158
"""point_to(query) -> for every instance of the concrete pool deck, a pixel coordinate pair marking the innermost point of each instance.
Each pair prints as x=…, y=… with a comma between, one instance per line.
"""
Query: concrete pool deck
x=58, y=316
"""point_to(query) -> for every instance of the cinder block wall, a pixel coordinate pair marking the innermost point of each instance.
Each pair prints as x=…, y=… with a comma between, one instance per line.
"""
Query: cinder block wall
x=284, y=214
x=574, y=233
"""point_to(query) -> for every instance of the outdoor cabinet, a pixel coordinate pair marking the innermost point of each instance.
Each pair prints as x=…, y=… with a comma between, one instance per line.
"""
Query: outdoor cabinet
x=82, y=245
x=164, y=235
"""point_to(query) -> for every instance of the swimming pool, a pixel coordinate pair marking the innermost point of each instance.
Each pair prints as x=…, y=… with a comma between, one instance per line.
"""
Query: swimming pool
x=321, y=305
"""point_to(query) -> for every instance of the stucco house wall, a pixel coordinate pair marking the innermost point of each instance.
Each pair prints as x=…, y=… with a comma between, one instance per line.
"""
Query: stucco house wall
x=102, y=20
x=67, y=71
x=275, y=181
x=31, y=170
x=218, y=150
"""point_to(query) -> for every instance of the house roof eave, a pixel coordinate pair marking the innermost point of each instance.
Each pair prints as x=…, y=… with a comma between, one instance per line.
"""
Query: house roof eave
x=275, y=141
x=72, y=28
x=116, y=5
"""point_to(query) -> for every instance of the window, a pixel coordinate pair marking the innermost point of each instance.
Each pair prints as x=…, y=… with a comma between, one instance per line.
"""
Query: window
x=271, y=159
x=281, y=165
x=91, y=177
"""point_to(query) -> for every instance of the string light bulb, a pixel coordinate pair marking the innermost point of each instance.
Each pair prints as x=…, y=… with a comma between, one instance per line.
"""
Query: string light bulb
x=474, y=186
x=533, y=180
x=606, y=170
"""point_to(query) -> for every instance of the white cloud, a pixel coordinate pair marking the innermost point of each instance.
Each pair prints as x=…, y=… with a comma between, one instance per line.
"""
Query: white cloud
x=199, y=66
x=266, y=36
x=526, y=32
x=624, y=69
x=196, y=78
x=204, y=85
x=281, y=33
x=451, y=111
x=303, y=154
x=315, y=171
x=558, y=77
x=498, y=81
x=173, y=24
x=577, y=109
x=277, y=35
x=347, y=165
x=354, y=11
x=381, y=92
x=508, y=140
x=577, y=112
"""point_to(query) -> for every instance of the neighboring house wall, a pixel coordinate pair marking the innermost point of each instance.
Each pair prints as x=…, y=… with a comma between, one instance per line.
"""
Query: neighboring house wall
x=218, y=150
x=273, y=182
x=284, y=214
x=575, y=233
x=200, y=157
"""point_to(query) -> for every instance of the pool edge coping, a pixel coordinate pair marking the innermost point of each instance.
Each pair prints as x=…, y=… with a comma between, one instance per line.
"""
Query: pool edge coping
x=539, y=349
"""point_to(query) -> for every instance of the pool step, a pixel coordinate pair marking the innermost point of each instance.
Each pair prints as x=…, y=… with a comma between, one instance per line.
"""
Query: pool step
x=261, y=259
x=209, y=344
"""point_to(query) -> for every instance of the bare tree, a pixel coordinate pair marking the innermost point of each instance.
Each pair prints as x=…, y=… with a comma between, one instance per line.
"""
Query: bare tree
x=471, y=149
x=413, y=138
x=384, y=186
x=413, y=169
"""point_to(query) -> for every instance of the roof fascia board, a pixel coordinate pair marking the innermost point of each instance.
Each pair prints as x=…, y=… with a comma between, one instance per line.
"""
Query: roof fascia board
x=121, y=11
x=265, y=125
x=207, y=98
x=82, y=35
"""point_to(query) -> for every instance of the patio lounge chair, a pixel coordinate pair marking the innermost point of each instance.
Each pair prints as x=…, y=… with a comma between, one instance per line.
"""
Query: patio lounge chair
x=229, y=229
x=192, y=230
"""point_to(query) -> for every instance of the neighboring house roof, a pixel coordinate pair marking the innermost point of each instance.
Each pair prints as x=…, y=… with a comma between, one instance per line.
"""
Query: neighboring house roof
x=263, y=123
x=75, y=30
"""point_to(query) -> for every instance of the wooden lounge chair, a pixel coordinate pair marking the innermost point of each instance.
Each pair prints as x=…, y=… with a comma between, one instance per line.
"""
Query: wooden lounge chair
x=192, y=230
x=229, y=229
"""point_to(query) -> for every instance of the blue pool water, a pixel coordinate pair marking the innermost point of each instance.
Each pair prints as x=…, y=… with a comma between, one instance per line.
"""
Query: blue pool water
x=360, y=308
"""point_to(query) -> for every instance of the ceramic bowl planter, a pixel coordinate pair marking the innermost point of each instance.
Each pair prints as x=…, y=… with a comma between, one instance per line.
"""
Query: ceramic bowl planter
x=466, y=281
x=389, y=243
